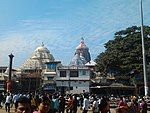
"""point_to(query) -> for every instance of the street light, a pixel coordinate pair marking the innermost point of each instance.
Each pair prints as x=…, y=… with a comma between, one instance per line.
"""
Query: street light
x=143, y=50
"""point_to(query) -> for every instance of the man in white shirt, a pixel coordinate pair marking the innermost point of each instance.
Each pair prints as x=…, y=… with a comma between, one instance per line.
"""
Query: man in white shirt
x=95, y=107
x=7, y=102
x=86, y=103
x=15, y=97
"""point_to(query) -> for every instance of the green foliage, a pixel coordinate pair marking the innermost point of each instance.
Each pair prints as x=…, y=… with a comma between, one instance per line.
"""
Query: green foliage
x=124, y=53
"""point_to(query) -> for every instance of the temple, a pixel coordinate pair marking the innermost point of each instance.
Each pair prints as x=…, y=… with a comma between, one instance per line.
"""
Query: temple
x=39, y=57
x=81, y=56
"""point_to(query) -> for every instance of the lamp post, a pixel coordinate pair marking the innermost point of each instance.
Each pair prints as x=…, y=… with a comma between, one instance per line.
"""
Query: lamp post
x=9, y=82
x=143, y=50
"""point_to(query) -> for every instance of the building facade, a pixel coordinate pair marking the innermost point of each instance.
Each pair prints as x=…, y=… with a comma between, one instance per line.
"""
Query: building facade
x=49, y=75
x=73, y=79
x=76, y=77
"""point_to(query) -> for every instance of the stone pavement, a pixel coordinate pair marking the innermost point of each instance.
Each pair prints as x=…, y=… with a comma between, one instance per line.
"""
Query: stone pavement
x=3, y=110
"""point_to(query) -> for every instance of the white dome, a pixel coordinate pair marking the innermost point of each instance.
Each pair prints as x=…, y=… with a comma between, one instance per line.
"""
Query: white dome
x=42, y=49
x=39, y=57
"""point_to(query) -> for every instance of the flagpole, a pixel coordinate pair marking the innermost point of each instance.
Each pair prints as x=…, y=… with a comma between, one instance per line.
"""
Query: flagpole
x=143, y=51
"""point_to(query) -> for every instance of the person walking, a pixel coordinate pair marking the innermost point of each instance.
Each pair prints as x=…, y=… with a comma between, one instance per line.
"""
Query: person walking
x=95, y=106
x=143, y=106
x=8, y=102
x=104, y=105
x=56, y=104
x=75, y=104
x=122, y=106
x=15, y=97
x=62, y=103
x=86, y=103
x=69, y=104
x=1, y=99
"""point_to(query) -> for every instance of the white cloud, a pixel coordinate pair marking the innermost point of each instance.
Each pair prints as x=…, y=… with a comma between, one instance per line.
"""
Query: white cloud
x=96, y=24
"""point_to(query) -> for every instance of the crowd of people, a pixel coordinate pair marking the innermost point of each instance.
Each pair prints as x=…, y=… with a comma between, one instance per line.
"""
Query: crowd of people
x=70, y=103
x=133, y=105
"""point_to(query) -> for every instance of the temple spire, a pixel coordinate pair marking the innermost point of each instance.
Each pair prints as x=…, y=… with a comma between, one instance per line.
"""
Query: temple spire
x=82, y=40
x=42, y=44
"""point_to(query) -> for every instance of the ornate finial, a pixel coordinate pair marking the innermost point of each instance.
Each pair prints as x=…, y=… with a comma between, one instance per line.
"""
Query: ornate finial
x=82, y=40
x=42, y=44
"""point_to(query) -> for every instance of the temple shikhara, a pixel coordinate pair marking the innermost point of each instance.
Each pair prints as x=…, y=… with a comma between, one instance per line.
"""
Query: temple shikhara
x=81, y=56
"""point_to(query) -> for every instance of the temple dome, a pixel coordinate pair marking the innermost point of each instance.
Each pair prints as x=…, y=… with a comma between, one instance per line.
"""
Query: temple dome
x=42, y=49
x=39, y=57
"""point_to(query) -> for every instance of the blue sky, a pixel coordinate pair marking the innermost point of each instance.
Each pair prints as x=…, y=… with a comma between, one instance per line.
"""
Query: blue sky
x=60, y=24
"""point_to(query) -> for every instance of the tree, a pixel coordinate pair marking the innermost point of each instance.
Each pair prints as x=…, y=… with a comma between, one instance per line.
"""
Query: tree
x=124, y=53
